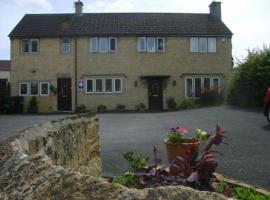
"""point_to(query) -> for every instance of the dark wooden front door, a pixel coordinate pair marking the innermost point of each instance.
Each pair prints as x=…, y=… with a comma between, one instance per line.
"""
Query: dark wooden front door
x=155, y=94
x=4, y=88
x=64, y=94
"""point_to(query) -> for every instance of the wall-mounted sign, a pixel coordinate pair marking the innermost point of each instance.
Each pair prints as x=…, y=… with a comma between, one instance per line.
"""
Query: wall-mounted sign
x=81, y=84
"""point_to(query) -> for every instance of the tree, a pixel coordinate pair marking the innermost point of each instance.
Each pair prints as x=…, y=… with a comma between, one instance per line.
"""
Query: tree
x=250, y=79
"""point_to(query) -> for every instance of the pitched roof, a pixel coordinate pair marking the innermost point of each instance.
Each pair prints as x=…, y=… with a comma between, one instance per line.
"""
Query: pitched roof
x=115, y=24
x=5, y=65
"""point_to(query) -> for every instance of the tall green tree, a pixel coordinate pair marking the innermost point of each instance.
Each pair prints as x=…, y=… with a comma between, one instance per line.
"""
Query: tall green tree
x=250, y=79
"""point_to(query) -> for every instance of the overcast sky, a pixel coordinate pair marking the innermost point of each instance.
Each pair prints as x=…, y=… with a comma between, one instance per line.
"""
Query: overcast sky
x=249, y=20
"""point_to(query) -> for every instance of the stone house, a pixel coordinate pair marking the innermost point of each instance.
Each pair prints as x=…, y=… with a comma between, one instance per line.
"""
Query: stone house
x=112, y=59
x=4, y=77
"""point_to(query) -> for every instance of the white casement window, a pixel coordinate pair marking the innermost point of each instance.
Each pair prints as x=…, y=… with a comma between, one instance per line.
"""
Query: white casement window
x=93, y=45
x=151, y=44
x=212, y=44
x=99, y=85
x=194, y=44
x=104, y=85
x=118, y=85
x=90, y=85
x=23, y=89
x=112, y=44
x=65, y=45
x=108, y=85
x=103, y=45
x=194, y=86
x=34, y=90
x=203, y=44
x=160, y=44
x=44, y=88
x=30, y=45
x=142, y=44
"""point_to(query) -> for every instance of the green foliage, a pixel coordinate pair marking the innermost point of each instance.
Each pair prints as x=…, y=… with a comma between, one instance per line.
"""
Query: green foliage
x=174, y=137
x=250, y=79
x=202, y=136
x=120, y=107
x=242, y=193
x=211, y=97
x=101, y=108
x=171, y=103
x=187, y=104
x=32, y=106
x=128, y=179
x=136, y=161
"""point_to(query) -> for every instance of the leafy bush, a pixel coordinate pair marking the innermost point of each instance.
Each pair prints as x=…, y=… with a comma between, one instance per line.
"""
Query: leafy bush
x=250, y=79
x=171, y=103
x=187, y=104
x=210, y=97
x=101, y=108
x=242, y=193
x=136, y=161
x=140, y=107
x=32, y=107
x=81, y=108
x=128, y=179
x=120, y=107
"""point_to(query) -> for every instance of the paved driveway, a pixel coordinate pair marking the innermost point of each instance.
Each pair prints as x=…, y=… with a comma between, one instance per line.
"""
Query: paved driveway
x=10, y=124
x=247, y=157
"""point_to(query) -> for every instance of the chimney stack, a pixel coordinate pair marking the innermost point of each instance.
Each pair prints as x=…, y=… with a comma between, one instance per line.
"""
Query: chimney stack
x=215, y=9
x=78, y=7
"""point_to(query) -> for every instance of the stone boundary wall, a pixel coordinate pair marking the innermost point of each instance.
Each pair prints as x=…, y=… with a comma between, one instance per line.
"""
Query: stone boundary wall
x=61, y=160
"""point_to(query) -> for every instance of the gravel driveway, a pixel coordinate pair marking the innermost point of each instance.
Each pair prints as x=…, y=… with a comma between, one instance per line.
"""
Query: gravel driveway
x=247, y=157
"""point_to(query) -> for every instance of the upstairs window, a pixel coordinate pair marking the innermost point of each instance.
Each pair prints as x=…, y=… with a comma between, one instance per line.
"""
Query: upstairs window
x=202, y=44
x=65, y=45
x=29, y=45
x=151, y=44
x=103, y=45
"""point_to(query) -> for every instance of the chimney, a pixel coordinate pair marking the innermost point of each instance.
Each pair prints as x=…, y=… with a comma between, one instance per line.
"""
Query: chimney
x=78, y=7
x=215, y=9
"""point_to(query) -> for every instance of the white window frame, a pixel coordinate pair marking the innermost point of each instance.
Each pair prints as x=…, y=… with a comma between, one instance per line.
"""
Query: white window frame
x=112, y=88
x=121, y=89
x=214, y=40
x=99, y=45
x=194, y=41
x=30, y=45
x=200, y=39
x=29, y=49
x=102, y=88
x=91, y=44
x=62, y=49
x=27, y=86
x=30, y=91
x=202, y=84
x=150, y=50
x=163, y=40
x=139, y=44
x=115, y=41
x=40, y=88
x=93, y=85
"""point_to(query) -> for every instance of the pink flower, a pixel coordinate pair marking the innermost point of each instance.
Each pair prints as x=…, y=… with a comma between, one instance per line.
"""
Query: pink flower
x=181, y=130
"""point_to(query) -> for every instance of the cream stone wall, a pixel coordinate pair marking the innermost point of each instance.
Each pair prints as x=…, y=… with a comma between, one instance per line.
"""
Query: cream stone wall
x=175, y=61
x=48, y=63
x=5, y=75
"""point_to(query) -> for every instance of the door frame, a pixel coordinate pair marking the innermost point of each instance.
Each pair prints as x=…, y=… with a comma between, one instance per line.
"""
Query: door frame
x=69, y=98
x=152, y=107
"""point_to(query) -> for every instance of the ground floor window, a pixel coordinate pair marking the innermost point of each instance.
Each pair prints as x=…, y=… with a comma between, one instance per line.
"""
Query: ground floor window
x=194, y=86
x=104, y=85
x=34, y=88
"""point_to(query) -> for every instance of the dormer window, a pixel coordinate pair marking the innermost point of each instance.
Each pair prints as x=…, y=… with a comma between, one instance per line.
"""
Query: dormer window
x=29, y=45
x=65, y=45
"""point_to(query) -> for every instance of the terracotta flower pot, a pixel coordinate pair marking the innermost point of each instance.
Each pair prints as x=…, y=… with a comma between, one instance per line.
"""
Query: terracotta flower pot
x=182, y=149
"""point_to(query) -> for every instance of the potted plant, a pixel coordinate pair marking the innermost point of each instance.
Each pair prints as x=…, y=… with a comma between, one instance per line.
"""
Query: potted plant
x=32, y=107
x=177, y=145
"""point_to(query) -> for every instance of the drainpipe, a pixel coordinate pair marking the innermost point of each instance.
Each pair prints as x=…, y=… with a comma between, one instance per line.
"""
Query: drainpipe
x=75, y=73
